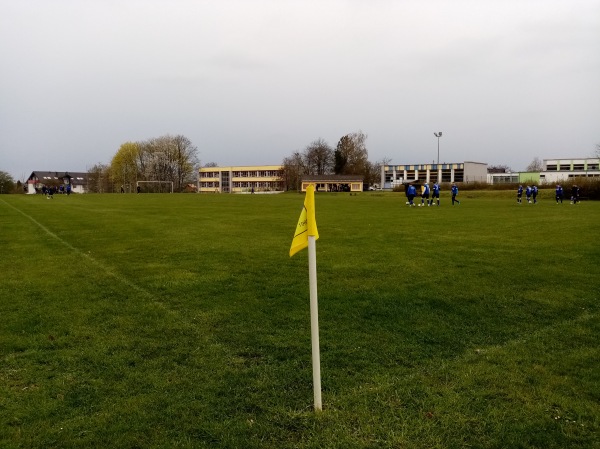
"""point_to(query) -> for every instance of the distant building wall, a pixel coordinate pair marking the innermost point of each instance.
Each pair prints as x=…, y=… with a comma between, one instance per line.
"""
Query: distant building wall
x=334, y=183
x=392, y=175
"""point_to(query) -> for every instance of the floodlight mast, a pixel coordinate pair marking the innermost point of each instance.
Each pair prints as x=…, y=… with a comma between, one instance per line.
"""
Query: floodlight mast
x=438, y=135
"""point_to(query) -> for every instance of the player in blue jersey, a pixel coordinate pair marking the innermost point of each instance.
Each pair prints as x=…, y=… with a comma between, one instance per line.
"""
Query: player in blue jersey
x=411, y=193
x=520, y=194
x=435, y=193
x=534, y=192
x=559, y=193
x=528, y=194
x=454, y=191
x=425, y=194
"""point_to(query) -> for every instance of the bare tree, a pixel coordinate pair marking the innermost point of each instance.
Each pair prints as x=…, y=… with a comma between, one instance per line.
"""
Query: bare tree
x=293, y=168
x=318, y=158
x=535, y=165
x=99, y=179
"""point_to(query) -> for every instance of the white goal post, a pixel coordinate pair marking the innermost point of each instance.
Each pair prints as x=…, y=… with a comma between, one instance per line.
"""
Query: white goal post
x=169, y=184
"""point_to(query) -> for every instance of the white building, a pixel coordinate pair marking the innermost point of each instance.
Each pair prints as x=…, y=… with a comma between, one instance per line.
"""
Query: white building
x=557, y=170
x=393, y=175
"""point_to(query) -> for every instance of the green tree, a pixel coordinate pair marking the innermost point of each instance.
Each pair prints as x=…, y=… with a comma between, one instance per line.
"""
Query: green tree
x=124, y=168
x=7, y=183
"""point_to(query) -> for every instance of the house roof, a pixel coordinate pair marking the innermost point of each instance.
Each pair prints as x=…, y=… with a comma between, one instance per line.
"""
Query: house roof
x=55, y=175
x=333, y=178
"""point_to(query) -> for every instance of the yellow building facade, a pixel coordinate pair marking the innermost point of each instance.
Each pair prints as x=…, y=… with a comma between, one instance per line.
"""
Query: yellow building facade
x=241, y=179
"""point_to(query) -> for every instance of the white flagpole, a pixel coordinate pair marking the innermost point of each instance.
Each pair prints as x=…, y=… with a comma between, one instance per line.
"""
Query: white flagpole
x=314, y=321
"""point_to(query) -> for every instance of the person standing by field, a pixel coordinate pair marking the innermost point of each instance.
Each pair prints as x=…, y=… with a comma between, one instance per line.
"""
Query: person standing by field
x=520, y=194
x=454, y=191
x=534, y=192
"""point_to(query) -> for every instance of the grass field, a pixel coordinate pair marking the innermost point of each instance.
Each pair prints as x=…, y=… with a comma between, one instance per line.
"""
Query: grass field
x=179, y=321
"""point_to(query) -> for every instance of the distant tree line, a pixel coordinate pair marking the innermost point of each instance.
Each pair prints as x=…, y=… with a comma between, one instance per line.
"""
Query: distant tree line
x=350, y=157
x=165, y=158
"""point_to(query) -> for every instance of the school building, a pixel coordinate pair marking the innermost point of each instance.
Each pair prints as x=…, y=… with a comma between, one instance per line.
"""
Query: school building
x=557, y=170
x=242, y=179
x=394, y=175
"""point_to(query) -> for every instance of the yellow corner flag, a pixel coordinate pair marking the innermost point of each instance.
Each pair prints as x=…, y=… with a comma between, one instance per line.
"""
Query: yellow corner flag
x=307, y=224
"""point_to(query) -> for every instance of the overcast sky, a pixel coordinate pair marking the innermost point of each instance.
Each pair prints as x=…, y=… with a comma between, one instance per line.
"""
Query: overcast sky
x=251, y=81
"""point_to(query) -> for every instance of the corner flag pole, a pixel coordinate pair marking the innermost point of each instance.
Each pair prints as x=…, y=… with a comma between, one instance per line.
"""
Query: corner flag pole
x=305, y=236
x=314, y=321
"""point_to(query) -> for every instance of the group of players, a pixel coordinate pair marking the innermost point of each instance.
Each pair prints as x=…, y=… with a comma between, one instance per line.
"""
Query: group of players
x=532, y=192
x=411, y=193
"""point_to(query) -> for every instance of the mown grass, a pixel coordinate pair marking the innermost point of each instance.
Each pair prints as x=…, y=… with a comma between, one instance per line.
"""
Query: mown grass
x=180, y=321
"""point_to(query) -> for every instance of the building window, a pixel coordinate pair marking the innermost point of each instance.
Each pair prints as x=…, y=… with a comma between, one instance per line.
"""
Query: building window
x=551, y=167
x=592, y=167
x=578, y=167
x=565, y=167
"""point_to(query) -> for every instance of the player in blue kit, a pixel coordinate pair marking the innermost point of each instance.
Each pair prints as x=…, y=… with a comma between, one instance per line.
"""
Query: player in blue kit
x=559, y=193
x=454, y=191
x=528, y=194
x=520, y=194
x=435, y=194
x=411, y=193
x=534, y=192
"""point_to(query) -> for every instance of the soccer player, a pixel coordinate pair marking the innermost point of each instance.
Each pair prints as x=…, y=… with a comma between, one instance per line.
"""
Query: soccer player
x=454, y=191
x=559, y=193
x=520, y=194
x=425, y=195
x=534, y=192
x=574, y=194
x=411, y=193
x=528, y=194
x=435, y=194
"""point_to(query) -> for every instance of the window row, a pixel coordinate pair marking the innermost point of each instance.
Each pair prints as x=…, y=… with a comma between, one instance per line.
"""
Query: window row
x=576, y=167
x=257, y=174
x=258, y=184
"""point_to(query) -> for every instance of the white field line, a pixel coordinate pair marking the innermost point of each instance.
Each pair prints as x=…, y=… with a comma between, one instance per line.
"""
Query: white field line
x=108, y=270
